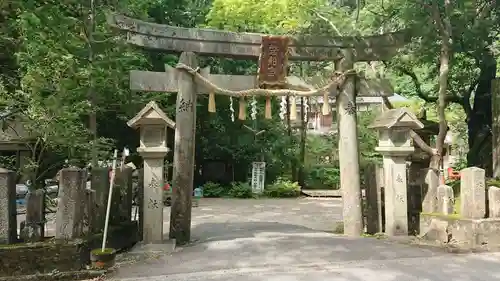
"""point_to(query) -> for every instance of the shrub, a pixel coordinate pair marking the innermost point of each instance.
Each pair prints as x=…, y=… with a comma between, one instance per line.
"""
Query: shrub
x=211, y=189
x=282, y=189
x=323, y=177
x=240, y=190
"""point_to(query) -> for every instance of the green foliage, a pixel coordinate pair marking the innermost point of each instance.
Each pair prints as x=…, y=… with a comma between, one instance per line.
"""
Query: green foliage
x=282, y=188
x=240, y=190
x=275, y=16
x=325, y=176
x=47, y=77
x=213, y=190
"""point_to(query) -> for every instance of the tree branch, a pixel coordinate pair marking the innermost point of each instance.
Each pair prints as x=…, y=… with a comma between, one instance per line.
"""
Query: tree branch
x=416, y=84
x=329, y=22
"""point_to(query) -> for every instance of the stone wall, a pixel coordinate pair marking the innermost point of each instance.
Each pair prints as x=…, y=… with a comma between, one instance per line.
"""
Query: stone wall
x=42, y=257
x=46, y=257
x=475, y=225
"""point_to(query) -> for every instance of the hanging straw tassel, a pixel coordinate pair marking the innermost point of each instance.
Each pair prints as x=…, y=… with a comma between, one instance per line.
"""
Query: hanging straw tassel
x=242, y=112
x=326, y=104
x=293, y=108
x=211, y=102
x=267, y=111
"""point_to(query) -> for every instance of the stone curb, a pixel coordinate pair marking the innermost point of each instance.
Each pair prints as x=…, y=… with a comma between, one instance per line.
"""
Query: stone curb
x=445, y=247
x=59, y=276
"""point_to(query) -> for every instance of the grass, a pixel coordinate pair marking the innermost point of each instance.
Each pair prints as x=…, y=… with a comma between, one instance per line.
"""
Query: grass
x=450, y=216
x=456, y=206
x=106, y=251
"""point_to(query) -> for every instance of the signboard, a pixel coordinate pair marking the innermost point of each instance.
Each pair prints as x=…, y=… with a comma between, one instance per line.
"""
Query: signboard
x=258, y=177
x=273, y=61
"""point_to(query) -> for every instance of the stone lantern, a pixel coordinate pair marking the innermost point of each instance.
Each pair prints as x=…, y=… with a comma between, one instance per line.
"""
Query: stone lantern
x=395, y=144
x=152, y=123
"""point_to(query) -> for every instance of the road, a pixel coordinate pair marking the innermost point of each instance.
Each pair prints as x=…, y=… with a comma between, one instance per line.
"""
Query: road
x=286, y=240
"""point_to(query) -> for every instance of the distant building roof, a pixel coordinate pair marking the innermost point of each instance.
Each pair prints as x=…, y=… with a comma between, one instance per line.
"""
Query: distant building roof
x=365, y=100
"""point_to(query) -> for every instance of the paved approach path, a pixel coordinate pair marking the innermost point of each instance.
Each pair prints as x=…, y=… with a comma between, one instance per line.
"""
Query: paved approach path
x=285, y=240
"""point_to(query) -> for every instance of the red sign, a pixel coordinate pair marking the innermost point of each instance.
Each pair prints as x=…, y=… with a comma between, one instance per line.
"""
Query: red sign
x=273, y=61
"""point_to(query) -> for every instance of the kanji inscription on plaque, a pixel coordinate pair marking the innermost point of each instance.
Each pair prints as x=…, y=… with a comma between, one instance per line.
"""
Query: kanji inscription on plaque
x=273, y=61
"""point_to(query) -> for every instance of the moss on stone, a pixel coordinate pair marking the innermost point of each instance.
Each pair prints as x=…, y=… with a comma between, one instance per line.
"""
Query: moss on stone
x=450, y=216
x=338, y=228
x=106, y=251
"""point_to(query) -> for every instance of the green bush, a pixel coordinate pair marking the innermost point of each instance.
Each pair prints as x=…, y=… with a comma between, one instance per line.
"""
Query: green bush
x=240, y=190
x=282, y=189
x=323, y=177
x=213, y=190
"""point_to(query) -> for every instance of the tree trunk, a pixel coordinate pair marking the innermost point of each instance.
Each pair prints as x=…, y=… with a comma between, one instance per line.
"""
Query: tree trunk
x=293, y=164
x=444, y=27
x=303, y=138
x=480, y=120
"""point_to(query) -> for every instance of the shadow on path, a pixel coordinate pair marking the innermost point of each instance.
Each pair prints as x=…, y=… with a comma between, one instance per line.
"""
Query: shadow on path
x=247, y=245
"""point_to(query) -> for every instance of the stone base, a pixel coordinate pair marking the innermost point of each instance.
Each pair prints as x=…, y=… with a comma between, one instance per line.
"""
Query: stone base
x=59, y=276
x=165, y=248
x=471, y=234
x=41, y=258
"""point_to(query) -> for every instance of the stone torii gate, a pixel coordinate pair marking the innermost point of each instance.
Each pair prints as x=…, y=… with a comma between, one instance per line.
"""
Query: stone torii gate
x=343, y=50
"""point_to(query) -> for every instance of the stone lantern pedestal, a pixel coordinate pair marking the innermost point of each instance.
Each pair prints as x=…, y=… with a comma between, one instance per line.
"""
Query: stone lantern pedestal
x=152, y=123
x=395, y=145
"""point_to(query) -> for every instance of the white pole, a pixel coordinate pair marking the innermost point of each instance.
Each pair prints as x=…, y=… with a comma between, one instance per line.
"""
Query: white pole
x=110, y=195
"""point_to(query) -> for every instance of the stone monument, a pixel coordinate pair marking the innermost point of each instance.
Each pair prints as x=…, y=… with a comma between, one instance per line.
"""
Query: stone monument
x=8, y=213
x=152, y=123
x=395, y=145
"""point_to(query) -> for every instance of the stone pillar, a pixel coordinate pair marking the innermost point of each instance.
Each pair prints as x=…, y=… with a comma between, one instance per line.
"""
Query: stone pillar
x=100, y=183
x=374, y=178
x=472, y=193
x=395, y=193
x=445, y=199
x=90, y=214
x=429, y=203
x=494, y=201
x=495, y=128
x=153, y=197
x=33, y=230
x=71, y=205
x=124, y=184
x=183, y=172
x=349, y=152
x=140, y=204
x=8, y=212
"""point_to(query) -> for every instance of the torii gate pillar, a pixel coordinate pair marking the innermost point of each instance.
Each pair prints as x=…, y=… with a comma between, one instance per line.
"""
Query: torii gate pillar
x=349, y=152
x=183, y=172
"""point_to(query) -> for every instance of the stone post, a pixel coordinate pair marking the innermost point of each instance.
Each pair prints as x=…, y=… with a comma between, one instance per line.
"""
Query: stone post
x=140, y=204
x=71, y=205
x=395, y=146
x=472, y=193
x=395, y=191
x=90, y=215
x=495, y=128
x=429, y=203
x=445, y=199
x=183, y=172
x=122, y=202
x=8, y=212
x=100, y=183
x=494, y=201
x=153, y=123
x=374, y=179
x=349, y=152
x=33, y=230
x=125, y=182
